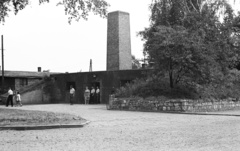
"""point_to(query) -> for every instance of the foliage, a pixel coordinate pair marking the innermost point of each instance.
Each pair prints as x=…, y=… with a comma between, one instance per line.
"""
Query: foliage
x=135, y=63
x=75, y=9
x=227, y=87
x=156, y=86
x=188, y=41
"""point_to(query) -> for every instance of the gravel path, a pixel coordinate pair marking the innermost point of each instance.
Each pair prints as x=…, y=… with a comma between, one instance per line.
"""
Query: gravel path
x=128, y=131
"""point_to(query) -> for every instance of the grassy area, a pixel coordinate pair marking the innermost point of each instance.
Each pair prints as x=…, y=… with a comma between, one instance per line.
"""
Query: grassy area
x=25, y=117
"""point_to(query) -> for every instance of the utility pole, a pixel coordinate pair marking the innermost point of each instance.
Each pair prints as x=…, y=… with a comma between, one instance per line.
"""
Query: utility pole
x=2, y=67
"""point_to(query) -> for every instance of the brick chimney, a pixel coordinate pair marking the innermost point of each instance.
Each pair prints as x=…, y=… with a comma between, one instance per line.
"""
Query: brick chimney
x=118, y=41
x=39, y=69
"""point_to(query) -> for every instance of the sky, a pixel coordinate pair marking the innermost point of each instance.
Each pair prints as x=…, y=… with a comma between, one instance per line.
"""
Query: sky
x=40, y=36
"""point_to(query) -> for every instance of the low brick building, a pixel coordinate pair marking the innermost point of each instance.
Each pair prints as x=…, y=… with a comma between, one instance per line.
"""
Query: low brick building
x=19, y=79
x=107, y=81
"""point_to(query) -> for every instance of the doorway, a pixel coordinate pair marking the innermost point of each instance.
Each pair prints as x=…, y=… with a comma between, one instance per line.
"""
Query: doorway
x=97, y=96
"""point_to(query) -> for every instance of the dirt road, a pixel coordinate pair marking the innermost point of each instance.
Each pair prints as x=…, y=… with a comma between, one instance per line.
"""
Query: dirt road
x=128, y=131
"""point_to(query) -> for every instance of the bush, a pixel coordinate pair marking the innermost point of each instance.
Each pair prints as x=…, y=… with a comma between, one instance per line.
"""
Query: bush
x=154, y=86
x=228, y=86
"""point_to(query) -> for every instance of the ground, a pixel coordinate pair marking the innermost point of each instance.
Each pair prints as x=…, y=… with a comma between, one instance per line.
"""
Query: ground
x=128, y=131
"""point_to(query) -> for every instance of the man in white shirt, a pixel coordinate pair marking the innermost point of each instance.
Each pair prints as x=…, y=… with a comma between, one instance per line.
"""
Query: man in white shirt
x=10, y=97
x=72, y=93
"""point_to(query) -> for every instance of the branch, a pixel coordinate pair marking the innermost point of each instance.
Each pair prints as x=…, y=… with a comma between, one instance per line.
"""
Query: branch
x=193, y=6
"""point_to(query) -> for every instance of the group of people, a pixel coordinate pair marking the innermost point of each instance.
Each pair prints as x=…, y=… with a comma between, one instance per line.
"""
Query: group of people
x=16, y=96
x=90, y=96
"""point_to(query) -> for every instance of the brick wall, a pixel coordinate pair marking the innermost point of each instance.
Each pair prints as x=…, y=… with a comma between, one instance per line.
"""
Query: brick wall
x=22, y=82
x=139, y=104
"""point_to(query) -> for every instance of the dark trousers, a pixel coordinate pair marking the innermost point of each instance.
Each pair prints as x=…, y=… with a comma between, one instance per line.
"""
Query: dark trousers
x=71, y=98
x=10, y=98
x=92, y=99
x=98, y=98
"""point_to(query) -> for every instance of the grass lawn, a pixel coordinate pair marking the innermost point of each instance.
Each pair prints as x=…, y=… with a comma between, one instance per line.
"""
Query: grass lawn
x=25, y=117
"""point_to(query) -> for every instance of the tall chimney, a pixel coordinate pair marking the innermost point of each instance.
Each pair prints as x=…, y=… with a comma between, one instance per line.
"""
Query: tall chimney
x=39, y=69
x=118, y=41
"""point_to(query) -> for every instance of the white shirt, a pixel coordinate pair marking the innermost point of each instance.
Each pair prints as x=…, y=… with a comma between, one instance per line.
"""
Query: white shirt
x=18, y=97
x=10, y=92
x=93, y=91
x=97, y=91
x=72, y=91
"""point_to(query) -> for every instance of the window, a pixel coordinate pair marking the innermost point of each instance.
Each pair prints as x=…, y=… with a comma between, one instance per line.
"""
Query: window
x=23, y=82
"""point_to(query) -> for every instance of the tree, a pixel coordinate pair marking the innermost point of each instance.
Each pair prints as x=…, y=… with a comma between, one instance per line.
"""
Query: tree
x=135, y=63
x=187, y=40
x=75, y=9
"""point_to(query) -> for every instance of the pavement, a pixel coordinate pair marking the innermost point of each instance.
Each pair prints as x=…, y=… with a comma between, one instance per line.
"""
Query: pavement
x=129, y=131
x=79, y=125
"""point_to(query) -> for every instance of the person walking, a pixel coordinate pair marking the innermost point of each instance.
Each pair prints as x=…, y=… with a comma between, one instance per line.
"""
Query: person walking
x=10, y=97
x=72, y=94
x=98, y=95
x=18, y=100
x=86, y=95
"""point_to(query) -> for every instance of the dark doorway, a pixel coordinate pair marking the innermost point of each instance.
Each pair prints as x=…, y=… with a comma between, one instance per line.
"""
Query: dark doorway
x=68, y=84
x=96, y=97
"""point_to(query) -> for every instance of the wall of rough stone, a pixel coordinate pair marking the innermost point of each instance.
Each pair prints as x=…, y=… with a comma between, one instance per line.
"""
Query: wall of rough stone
x=177, y=105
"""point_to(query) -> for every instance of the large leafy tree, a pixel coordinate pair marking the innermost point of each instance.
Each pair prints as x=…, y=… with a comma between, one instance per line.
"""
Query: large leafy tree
x=194, y=41
x=75, y=9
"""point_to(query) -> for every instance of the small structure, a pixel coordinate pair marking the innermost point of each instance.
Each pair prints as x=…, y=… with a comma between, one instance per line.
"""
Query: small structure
x=19, y=79
x=106, y=81
x=119, y=66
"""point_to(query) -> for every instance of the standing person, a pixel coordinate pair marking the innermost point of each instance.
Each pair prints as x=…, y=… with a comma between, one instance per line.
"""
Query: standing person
x=98, y=95
x=72, y=94
x=10, y=97
x=92, y=96
x=87, y=95
x=18, y=99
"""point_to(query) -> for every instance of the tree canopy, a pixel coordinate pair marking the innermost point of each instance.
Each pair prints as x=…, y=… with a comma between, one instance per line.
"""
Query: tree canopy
x=75, y=9
x=194, y=41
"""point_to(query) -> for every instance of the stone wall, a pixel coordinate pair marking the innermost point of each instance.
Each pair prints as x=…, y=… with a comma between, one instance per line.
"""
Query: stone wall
x=178, y=105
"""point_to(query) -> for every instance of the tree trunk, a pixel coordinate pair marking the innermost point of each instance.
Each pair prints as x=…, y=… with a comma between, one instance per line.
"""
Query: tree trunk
x=171, y=79
x=171, y=74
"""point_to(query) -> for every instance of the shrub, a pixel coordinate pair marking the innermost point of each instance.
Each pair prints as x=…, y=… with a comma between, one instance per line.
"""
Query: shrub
x=228, y=86
x=153, y=86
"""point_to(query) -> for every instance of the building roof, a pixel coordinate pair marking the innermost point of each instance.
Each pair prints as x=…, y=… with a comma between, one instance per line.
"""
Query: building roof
x=24, y=74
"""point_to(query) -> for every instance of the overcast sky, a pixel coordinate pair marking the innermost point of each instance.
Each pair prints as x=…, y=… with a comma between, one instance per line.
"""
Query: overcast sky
x=40, y=36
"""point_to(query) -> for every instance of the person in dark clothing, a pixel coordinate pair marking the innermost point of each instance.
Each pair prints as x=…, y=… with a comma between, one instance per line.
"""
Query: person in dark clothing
x=10, y=97
x=92, y=96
